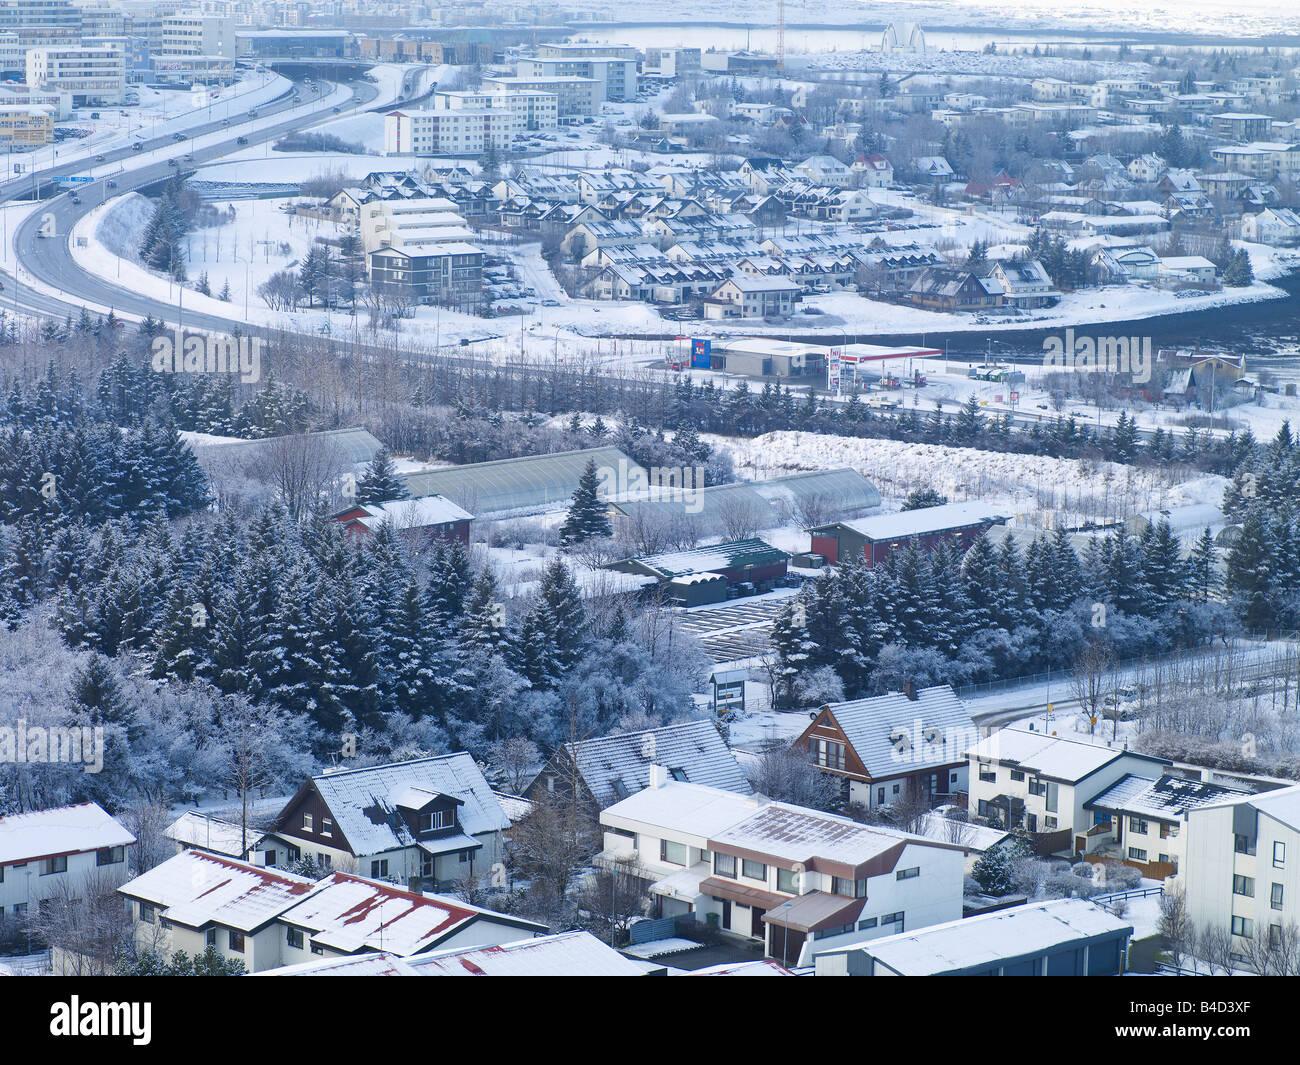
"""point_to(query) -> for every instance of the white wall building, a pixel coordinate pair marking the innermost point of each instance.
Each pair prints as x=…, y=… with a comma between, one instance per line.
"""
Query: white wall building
x=192, y=33
x=90, y=75
x=575, y=96
x=47, y=852
x=459, y=131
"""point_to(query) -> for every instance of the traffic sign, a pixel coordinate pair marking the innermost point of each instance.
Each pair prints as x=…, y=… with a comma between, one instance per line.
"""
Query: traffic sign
x=74, y=180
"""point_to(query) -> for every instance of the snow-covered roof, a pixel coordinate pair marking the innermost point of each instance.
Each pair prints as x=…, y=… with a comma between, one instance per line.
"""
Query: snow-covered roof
x=614, y=767
x=414, y=513
x=1282, y=805
x=927, y=520
x=348, y=913
x=761, y=967
x=993, y=937
x=193, y=829
x=937, y=828
x=713, y=558
x=1050, y=756
x=381, y=963
x=682, y=809
x=196, y=888
x=363, y=804
x=566, y=954
x=1167, y=798
x=797, y=834
x=62, y=830
x=892, y=734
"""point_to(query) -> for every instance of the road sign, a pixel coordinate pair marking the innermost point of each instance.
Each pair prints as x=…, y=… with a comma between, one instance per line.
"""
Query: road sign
x=74, y=180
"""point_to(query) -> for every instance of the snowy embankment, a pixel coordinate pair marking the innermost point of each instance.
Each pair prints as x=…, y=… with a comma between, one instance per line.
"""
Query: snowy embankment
x=1027, y=484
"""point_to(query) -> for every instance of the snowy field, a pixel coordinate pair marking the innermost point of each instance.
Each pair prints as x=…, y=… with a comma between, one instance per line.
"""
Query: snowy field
x=1025, y=484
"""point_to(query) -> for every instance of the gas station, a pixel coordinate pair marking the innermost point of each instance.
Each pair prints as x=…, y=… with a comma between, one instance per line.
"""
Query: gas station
x=861, y=367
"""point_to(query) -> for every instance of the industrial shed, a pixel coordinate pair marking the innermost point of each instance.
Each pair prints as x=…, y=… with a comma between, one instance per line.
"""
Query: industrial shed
x=532, y=483
x=350, y=446
x=705, y=574
x=876, y=538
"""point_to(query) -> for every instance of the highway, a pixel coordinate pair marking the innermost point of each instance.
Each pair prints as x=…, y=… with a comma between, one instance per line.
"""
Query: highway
x=49, y=261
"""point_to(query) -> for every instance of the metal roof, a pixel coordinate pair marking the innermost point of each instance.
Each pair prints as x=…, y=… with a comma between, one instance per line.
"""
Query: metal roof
x=892, y=734
x=353, y=446
x=534, y=481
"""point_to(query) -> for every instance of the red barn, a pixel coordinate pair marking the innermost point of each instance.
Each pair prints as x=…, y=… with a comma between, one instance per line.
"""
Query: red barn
x=432, y=517
x=877, y=537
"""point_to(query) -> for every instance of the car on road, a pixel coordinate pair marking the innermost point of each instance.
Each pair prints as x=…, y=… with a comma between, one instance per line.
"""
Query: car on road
x=99, y=158
x=550, y=303
x=189, y=158
x=137, y=146
x=111, y=184
x=76, y=199
x=178, y=136
x=338, y=110
x=241, y=140
x=172, y=162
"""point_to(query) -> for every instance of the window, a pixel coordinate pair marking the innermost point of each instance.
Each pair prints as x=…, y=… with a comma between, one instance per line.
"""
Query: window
x=58, y=864
x=673, y=853
x=1037, y=787
x=317, y=949
x=237, y=941
x=870, y=922
x=436, y=819
x=1279, y=855
x=725, y=865
x=379, y=867
x=210, y=938
x=1017, y=774
x=1137, y=854
x=880, y=795
x=465, y=857
x=1275, y=897
x=293, y=936
x=1243, y=926
x=893, y=918
x=110, y=855
x=146, y=913
x=1243, y=844
x=326, y=827
x=788, y=881
x=20, y=908
x=325, y=860
x=851, y=889
x=753, y=870
x=678, y=773
x=896, y=788
x=908, y=874
x=828, y=754
x=1049, y=821
x=1136, y=824
x=306, y=822
x=1243, y=885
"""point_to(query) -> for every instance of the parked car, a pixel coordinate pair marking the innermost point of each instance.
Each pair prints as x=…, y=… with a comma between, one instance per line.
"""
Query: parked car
x=241, y=140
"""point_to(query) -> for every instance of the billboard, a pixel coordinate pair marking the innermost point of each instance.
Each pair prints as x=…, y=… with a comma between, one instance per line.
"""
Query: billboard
x=701, y=353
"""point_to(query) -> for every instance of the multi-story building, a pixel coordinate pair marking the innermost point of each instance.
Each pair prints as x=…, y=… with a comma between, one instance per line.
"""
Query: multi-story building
x=447, y=274
x=796, y=880
x=90, y=75
x=191, y=33
x=27, y=126
x=458, y=131
x=615, y=77
x=1242, y=870
x=574, y=97
x=57, y=102
x=38, y=22
x=672, y=62
x=528, y=110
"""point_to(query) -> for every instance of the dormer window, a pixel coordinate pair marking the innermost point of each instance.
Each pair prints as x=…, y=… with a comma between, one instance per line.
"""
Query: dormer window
x=431, y=820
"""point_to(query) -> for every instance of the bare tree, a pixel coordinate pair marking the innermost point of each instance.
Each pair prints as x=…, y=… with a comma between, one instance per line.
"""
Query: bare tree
x=786, y=775
x=813, y=509
x=1091, y=680
x=1274, y=950
x=1176, y=925
x=516, y=760
x=147, y=821
x=1214, y=946
x=740, y=517
x=554, y=840
x=87, y=927
x=304, y=469
x=612, y=896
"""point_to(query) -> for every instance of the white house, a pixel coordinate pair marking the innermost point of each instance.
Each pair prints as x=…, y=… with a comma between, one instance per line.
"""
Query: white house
x=749, y=296
x=1146, y=169
x=1242, y=870
x=794, y=879
x=825, y=170
x=1273, y=225
x=1022, y=777
x=874, y=171
x=53, y=852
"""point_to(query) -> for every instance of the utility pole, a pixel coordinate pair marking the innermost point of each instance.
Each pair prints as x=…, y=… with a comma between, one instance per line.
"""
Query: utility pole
x=780, y=36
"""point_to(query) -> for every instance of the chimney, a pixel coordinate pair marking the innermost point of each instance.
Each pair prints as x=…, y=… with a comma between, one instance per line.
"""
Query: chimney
x=909, y=689
x=658, y=776
x=413, y=885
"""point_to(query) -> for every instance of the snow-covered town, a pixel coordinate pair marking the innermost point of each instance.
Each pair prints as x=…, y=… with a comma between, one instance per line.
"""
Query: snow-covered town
x=509, y=489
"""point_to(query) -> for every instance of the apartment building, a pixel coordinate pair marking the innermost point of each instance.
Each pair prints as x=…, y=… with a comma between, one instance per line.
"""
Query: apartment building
x=574, y=97
x=446, y=274
x=615, y=77
x=1243, y=866
x=795, y=880
x=528, y=110
x=40, y=22
x=589, y=50
x=91, y=76
x=49, y=853
x=1260, y=159
x=192, y=33
x=449, y=131
x=409, y=223
x=672, y=62
x=17, y=95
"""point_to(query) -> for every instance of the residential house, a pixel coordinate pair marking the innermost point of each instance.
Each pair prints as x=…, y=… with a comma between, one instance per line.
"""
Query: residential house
x=825, y=170
x=1021, y=777
x=904, y=747
x=53, y=853
x=946, y=288
x=797, y=881
x=1273, y=225
x=874, y=171
x=1025, y=283
x=607, y=769
x=1146, y=169
x=746, y=296
x=933, y=168
x=197, y=831
x=427, y=821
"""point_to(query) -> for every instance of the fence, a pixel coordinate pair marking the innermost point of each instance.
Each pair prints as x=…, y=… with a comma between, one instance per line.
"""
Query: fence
x=1136, y=893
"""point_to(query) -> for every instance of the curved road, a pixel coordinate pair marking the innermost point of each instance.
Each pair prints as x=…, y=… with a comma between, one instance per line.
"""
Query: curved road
x=50, y=261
